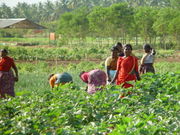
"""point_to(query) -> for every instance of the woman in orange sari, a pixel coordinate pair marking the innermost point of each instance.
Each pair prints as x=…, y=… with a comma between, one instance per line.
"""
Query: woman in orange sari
x=127, y=68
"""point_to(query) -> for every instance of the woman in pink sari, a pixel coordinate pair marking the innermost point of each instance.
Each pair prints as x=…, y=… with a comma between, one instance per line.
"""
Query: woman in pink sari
x=95, y=79
x=7, y=77
x=127, y=68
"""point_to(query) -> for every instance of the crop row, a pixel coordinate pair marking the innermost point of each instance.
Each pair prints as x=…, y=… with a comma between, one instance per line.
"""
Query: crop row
x=151, y=109
x=72, y=53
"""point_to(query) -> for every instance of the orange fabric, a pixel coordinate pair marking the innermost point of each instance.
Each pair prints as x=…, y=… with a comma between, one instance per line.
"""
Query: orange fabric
x=6, y=63
x=124, y=67
x=53, y=80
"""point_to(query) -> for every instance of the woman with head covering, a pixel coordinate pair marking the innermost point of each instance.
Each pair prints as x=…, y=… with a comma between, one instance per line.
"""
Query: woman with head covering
x=127, y=68
x=147, y=60
x=95, y=79
x=59, y=79
x=111, y=63
x=7, y=78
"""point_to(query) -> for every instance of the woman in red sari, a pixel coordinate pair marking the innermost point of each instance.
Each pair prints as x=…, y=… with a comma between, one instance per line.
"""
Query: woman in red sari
x=127, y=68
x=7, y=77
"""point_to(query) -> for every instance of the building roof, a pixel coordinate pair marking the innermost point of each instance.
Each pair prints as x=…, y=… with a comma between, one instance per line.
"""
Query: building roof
x=19, y=23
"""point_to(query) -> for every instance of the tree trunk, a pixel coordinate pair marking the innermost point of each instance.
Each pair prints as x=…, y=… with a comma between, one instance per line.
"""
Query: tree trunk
x=136, y=40
x=150, y=39
x=155, y=40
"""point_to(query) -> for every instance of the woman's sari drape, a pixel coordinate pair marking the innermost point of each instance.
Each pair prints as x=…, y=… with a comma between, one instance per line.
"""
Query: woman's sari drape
x=127, y=66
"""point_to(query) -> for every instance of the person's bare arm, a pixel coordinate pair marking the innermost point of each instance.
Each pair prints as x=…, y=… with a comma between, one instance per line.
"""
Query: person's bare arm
x=143, y=58
x=136, y=70
x=117, y=71
x=16, y=72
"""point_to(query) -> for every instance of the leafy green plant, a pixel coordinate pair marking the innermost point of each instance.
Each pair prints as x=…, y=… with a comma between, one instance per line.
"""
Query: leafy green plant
x=151, y=108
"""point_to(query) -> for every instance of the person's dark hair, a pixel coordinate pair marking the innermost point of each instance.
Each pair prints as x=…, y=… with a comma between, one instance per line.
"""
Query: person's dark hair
x=50, y=76
x=4, y=50
x=118, y=44
x=147, y=46
x=114, y=48
x=128, y=45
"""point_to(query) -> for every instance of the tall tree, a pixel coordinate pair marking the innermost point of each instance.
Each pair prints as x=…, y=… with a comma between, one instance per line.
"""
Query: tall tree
x=5, y=11
x=145, y=17
x=22, y=10
x=167, y=23
x=99, y=21
x=121, y=16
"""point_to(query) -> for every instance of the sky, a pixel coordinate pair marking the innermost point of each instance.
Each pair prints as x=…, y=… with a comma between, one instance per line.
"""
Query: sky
x=13, y=3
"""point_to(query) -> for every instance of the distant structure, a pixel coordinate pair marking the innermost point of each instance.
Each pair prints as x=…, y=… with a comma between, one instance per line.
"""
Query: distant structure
x=19, y=23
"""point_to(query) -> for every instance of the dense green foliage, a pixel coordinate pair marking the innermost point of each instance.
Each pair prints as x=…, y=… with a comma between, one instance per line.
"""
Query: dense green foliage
x=151, y=109
x=49, y=11
x=159, y=26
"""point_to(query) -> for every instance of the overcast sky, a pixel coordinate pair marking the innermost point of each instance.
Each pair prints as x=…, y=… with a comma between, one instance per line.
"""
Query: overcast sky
x=13, y=3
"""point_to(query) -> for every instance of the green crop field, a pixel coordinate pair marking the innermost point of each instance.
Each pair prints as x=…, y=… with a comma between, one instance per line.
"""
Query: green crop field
x=153, y=108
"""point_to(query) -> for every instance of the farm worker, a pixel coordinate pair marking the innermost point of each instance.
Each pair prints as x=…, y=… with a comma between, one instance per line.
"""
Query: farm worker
x=119, y=46
x=95, y=80
x=111, y=63
x=120, y=49
x=127, y=68
x=147, y=60
x=57, y=79
x=7, y=78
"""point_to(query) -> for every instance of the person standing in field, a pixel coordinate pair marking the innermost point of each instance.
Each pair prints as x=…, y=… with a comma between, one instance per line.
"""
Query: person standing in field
x=95, y=80
x=147, y=60
x=119, y=46
x=7, y=78
x=127, y=68
x=59, y=79
x=111, y=63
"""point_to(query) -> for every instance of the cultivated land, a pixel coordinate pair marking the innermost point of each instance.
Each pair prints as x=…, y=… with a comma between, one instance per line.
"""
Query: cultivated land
x=151, y=109
x=85, y=31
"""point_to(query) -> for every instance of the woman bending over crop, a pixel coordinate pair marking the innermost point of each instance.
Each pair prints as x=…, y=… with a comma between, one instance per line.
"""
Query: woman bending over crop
x=95, y=79
x=59, y=79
